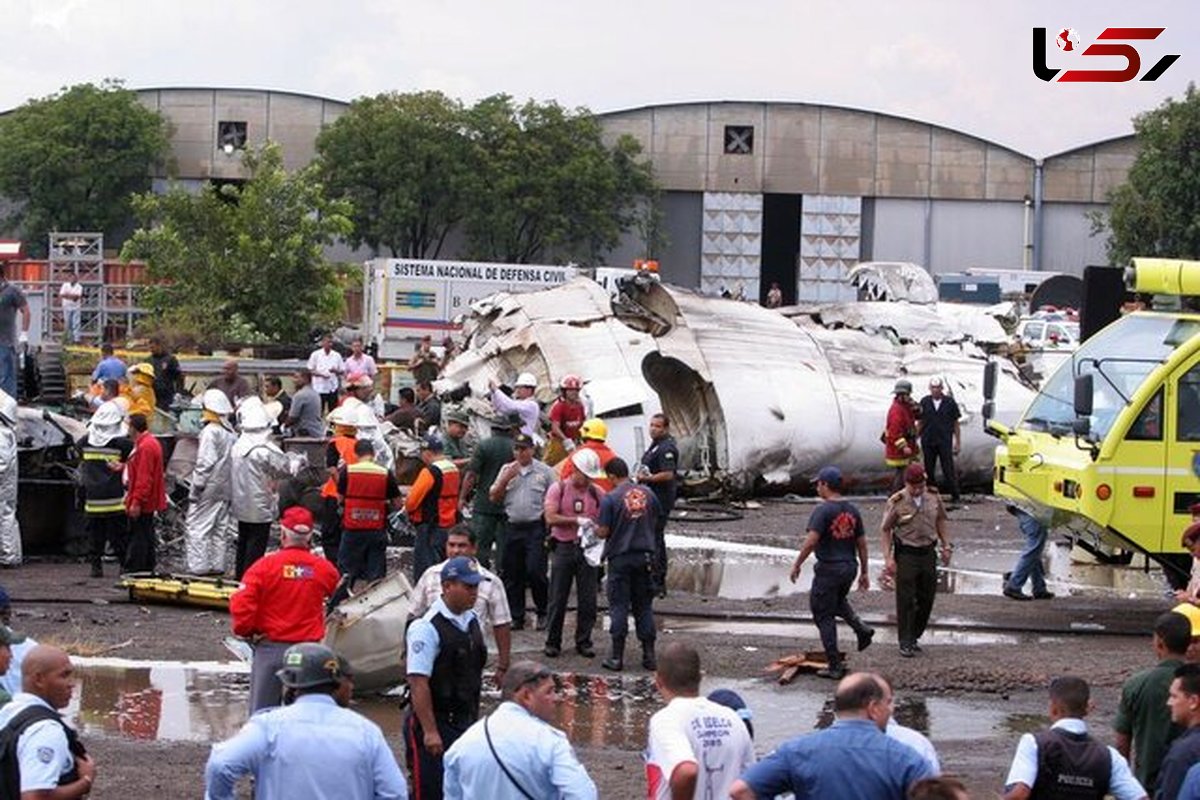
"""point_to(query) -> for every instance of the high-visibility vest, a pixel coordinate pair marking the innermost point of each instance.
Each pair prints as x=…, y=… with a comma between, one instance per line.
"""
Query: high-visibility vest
x=345, y=448
x=441, y=504
x=365, y=503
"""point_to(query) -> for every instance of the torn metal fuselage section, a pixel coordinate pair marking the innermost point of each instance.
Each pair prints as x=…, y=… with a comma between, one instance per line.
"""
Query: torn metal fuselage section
x=756, y=399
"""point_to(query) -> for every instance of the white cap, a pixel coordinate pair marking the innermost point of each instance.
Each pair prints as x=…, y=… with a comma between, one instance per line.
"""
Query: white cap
x=526, y=379
x=216, y=401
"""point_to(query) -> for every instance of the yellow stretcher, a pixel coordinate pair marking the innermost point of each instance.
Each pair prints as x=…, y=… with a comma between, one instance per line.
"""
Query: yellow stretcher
x=186, y=590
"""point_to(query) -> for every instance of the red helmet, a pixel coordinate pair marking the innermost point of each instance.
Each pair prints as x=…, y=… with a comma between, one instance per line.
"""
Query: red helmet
x=571, y=382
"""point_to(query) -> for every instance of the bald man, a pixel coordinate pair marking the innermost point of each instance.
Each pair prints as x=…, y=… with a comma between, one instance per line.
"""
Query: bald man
x=50, y=759
x=853, y=758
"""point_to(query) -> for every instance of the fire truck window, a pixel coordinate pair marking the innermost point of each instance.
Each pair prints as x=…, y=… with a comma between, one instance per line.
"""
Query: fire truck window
x=1148, y=426
x=1188, y=410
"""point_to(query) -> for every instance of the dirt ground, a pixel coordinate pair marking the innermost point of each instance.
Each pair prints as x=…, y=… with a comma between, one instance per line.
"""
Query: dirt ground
x=979, y=684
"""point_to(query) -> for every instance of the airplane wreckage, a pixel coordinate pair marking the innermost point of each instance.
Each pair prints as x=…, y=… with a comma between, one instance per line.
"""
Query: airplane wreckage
x=759, y=399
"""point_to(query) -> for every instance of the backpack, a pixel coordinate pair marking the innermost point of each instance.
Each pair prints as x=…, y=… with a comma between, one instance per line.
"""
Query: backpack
x=10, y=736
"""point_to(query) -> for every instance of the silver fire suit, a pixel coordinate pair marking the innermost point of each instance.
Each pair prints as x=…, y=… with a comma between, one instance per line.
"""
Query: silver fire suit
x=209, y=524
x=257, y=464
x=10, y=531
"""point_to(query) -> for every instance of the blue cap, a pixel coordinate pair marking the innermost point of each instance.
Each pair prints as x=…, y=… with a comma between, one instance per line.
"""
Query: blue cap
x=732, y=700
x=432, y=442
x=830, y=475
x=462, y=569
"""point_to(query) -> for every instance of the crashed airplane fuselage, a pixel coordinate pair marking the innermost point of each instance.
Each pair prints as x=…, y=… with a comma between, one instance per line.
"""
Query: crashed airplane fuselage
x=756, y=398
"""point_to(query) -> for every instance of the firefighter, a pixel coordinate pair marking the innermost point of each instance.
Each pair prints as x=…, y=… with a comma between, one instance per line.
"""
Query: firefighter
x=900, y=447
x=10, y=531
x=432, y=505
x=208, y=517
x=594, y=433
x=567, y=416
x=105, y=449
x=368, y=430
x=368, y=491
x=141, y=391
x=338, y=453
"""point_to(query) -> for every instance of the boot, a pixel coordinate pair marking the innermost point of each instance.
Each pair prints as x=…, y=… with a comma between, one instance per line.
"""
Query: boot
x=864, y=632
x=648, y=660
x=616, y=661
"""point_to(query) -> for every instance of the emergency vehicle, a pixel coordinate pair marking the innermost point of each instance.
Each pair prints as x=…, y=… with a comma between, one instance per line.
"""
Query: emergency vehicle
x=1109, y=449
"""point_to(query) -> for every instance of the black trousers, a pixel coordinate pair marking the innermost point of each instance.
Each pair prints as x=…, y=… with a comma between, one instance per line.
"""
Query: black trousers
x=525, y=567
x=329, y=401
x=916, y=586
x=942, y=452
x=251, y=545
x=110, y=528
x=140, y=551
x=331, y=530
x=425, y=768
x=568, y=565
x=828, y=600
x=629, y=586
x=658, y=572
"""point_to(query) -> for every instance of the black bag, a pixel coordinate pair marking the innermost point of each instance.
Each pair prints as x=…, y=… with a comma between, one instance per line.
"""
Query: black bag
x=10, y=735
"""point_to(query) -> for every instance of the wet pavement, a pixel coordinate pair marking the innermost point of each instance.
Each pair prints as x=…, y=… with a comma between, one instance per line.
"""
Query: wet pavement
x=206, y=702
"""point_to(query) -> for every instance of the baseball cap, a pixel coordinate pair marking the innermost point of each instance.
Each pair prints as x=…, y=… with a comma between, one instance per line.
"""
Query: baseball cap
x=830, y=475
x=432, y=442
x=1193, y=614
x=297, y=519
x=9, y=636
x=464, y=570
x=914, y=473
x=523, y=440
x=732, y=700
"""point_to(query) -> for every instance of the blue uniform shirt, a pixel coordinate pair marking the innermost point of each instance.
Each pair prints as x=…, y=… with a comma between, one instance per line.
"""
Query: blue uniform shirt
x=537, y=754
x=109, y=368
x=839, y=525
x=423, y=642
x=851, y=760
x=314, y=749
x=1191, y=785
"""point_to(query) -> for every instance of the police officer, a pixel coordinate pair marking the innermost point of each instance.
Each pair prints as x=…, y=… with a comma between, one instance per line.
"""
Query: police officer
x=314, y=746
x=105, y=449
x=628, y=516
x=50, y=758
x=658, y=471
x=446, y=654
x=835, y=534
x=914, y=534
x=1065, y=755
x=487, y=517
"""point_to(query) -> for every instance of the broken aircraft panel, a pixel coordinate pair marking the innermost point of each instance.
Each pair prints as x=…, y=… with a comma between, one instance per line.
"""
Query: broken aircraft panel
x=754, y=398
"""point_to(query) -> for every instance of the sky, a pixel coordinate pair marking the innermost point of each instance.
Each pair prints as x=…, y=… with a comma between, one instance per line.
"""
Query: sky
x=959, y=63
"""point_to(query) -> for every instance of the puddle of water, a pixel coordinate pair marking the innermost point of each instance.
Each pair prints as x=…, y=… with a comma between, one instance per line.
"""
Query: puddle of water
x=883, y=635
x=714, y=568
x=207, y=703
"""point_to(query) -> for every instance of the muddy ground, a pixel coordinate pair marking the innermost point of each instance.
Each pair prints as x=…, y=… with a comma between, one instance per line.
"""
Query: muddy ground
x=979, y=684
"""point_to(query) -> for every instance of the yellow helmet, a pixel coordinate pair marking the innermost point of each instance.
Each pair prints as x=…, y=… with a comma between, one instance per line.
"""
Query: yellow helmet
x=593, y=428
x=143, y=370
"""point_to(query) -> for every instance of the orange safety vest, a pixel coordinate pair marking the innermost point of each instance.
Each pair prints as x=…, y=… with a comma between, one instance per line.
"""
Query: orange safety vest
x=345, y=448
x=365, y=504
x=443, y=498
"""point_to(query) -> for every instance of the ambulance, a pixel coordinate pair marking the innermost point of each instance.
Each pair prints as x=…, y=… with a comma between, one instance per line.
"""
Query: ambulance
x=1109, y=449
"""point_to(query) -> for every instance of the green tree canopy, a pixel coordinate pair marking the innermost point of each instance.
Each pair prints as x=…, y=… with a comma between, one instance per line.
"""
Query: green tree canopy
x=402, y=160
x=545, y=185
x=72, y=160
x=1156, y=212
x=242, y=262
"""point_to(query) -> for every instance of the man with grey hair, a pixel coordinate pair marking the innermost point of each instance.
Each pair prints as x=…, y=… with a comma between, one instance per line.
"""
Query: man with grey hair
x=516, y=753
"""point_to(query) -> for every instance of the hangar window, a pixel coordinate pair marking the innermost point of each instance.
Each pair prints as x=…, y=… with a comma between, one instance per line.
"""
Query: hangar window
x=231, y=136
x=739, y=140
x=1148, y=426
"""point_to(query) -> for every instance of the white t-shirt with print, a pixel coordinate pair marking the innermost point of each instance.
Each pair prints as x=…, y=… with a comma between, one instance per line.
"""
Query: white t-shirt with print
x=705, y=733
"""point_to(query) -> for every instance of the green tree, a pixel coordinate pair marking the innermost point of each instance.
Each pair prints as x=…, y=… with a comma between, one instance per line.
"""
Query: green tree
x=545, y=185
x=242, y=262
x=401, y=159
x=72, y=160
x=1156, y=212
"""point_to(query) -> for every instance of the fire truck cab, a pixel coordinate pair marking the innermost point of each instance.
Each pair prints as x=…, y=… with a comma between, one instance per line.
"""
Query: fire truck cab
x=1109, y=449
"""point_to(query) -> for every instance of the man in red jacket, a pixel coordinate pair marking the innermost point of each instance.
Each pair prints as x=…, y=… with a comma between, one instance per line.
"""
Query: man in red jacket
x=145, y=496
x=281, y=603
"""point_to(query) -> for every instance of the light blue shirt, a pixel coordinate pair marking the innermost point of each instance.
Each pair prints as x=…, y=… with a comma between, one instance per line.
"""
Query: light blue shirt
x=11, y=680
x=1191, y=785
x=536, y=753
x=917, y=741
x=1121, y=783
x=423, y=641
x=313, y=749
x=42, y=750
x=109, y=368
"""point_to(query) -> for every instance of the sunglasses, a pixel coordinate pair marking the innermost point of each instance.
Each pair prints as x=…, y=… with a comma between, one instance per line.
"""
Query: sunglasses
x=540, y=676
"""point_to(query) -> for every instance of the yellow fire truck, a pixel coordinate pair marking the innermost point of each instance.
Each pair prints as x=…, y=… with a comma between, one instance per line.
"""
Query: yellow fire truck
x=1109, y=449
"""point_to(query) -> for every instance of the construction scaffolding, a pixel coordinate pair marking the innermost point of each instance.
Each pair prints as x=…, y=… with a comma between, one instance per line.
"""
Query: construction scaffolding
x=108, y=311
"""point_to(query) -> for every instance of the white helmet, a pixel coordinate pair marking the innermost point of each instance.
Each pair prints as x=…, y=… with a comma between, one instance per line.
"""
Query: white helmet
x=216, y=401
x=364, y=417
x=587, y=462
x=253, y=415
x=108, y=415
x=526, y=379
x=8, y=409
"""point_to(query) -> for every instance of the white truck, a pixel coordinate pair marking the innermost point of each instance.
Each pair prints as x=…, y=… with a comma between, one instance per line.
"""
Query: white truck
x=405, y=298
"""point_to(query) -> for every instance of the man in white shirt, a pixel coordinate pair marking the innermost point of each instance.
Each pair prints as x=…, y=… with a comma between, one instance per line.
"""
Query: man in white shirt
x=71, y=296
x=913, y=738
x=51, y=760
x=696, y=748
x=1071, y=756
x=491, y=604
x=326, y=366
x=516, y=753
